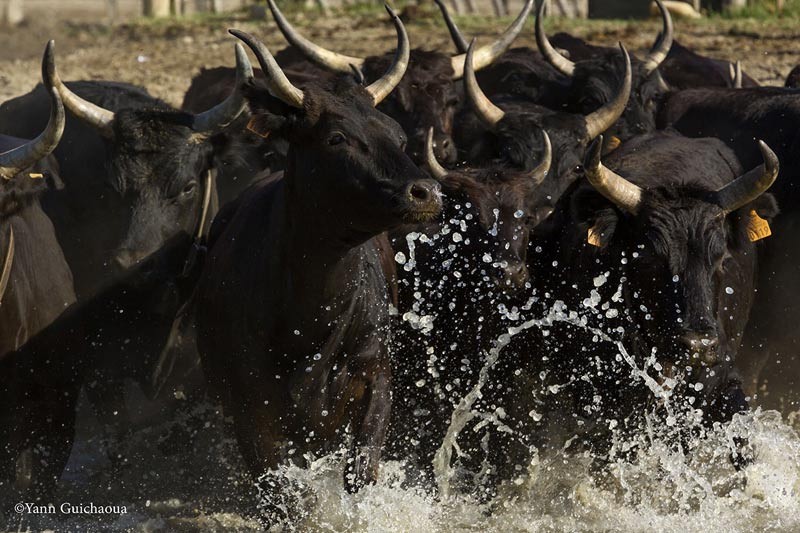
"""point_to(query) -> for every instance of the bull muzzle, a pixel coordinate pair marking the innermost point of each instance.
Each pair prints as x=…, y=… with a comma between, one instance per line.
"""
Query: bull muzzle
x=703, y=349
x=423, y=199
x=513, y=276
x=444, y=149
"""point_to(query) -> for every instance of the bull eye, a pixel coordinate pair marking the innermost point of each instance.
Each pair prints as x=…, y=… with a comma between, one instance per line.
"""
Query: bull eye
x=189, y=188
x=337, y=137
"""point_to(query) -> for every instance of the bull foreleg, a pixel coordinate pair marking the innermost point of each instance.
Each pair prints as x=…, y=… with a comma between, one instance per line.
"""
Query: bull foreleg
x=261, y=439
x=106, y=395
x=371, y=421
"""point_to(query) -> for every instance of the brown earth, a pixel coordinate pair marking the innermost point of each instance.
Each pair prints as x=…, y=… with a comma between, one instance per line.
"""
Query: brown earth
x=163, y=56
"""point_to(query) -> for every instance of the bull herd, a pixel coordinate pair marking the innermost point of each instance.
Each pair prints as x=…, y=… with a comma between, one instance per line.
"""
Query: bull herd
x=355, y=251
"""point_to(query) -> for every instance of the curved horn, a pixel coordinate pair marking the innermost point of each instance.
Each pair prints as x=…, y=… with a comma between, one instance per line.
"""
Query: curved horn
x=455, y=33
x=381, y=88
x=624, y=194
x=5, y=275
x=486, y=55
x=437, y=170
x=18, y=159
x=489, y=113
x=540, y=172
x=602, y=119
x=559, y=62
x=317, y=54
x=750, y=185
x=278, y=84
x=663, y=44
x=94, y=115
x=221, y=115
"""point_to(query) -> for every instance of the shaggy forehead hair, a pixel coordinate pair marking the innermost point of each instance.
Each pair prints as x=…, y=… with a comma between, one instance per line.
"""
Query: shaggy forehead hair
x=153, y=143
x=489, y=187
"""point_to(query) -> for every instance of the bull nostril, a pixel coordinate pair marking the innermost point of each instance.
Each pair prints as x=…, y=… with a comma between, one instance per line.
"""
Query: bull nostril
x=420, y=192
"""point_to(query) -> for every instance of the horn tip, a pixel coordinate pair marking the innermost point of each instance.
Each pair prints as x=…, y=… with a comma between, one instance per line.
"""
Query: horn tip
x=49, y=73
x=593, y=154
x=770, y=158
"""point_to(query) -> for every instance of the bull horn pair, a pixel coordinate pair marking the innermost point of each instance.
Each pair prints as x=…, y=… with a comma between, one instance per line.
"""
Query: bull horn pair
x=628, y=196
x=439, y=172
x=595, y=123
x=18, y=159
x=282, y=88
x=337, y=62
x=656, y=56
x=207, y=122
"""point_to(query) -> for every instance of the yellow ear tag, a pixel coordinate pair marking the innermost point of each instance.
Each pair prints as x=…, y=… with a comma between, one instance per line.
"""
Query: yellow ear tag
x=593, y=237
x=757, y=227
x=251, y=125
x=35, y=175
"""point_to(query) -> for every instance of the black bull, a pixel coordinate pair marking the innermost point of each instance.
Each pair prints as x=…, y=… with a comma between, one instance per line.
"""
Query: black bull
x=292, y=304
x=39, y=288
x=42, y=380
x=668, y=226
x=132, y=167
x=737, y=116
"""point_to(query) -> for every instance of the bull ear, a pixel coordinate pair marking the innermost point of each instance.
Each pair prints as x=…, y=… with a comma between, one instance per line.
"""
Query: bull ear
x=264, y=124
x=765, y=205
x=594, y=217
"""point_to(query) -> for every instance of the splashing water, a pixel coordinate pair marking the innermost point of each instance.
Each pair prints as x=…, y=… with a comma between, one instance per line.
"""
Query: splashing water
x=664, y=487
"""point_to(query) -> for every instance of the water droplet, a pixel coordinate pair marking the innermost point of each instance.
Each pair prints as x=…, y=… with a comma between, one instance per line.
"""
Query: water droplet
x=519, y=213
x=729, y=290
x=400, y=257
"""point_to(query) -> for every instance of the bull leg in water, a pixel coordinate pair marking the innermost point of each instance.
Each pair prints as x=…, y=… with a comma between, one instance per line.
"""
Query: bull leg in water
x=371, y=420
x=260, y=439
x=107, y=398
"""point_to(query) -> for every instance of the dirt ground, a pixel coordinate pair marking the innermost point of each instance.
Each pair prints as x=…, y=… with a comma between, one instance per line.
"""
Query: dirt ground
x=164, y=56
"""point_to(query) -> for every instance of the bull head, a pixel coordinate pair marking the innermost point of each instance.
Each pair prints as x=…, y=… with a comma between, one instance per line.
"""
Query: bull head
x=337, y=62
x=595, y=123
x=566, y=67
x=536, y=175
x=282, y=88
x=628, y=196
x=205, y=124
x=14, y=161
